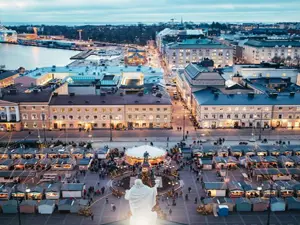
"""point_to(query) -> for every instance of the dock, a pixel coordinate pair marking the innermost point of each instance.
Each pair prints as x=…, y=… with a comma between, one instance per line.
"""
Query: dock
x=82, y=55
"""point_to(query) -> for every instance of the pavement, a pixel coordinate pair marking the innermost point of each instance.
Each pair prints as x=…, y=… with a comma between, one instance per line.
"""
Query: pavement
x=183, y=212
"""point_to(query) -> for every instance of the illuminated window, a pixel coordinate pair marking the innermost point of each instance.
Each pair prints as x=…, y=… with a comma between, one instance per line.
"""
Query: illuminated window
x=70, y=110
x=62, y=110
x=34, y=125
x=33, y=107
x=24, y=116
x=54, y=110
x=95, y=109
x=87, y=109
x=70, y=117
x=34, y=116
x=78, y=110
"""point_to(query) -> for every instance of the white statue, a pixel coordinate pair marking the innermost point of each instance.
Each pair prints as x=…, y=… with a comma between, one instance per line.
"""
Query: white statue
x=141, y=201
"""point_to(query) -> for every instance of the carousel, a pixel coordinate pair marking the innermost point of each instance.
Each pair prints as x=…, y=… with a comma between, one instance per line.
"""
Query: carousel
x=136, y=155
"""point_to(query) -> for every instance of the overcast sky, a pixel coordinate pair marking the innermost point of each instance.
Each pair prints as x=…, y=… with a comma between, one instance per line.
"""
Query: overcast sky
x=117, y=11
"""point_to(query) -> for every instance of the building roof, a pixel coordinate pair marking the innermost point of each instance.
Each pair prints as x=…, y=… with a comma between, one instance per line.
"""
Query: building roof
x=215, y=185
x=272, y=43
x=86, y=100
x=207, y=97
x=19, y=97
x=72, y=187
x=198, y=44
x=6, y=74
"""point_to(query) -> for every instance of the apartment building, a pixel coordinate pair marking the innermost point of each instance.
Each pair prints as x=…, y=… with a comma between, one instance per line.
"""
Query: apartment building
x=180, y=54
x=213, y=109
x=92, y=112
x=256, y=51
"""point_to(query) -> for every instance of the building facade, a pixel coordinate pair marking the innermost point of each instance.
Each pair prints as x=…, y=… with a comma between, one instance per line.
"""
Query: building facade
x=180, y=54
x=9, y=116
x=100, y=112
x=257, y=51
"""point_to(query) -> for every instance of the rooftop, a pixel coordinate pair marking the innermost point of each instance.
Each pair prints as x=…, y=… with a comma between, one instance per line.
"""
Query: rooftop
x=197, y=43
x=5, y=74
x=130, y=99
x=207, y=97
x=272, y=43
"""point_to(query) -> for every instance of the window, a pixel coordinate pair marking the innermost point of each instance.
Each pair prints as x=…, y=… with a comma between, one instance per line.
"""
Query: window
x=228, y=116
x=87, y=109
x=103, y=110
x=55, y=117
x=34, y=125
x=279, y=116
x=158, y=109
x=70, y=117
x=103, y=125
x=34, y=116
x=63, y=117
x=280, y=108
x=251, y=116
x=136, y=109
x=165, y=116
x=95, y=117
x=71, y=125
x=205, y=116
x=165, y=109
x=244, y=116
x=78, y=110
x=24, y=107
x=62, y=110
x=87, y=117
x=290, y=116
x=33, y=108
x=213, y=116
x=54, y=110
x=205, y=108
x=43, y=108
x=70, y=109
x=24, y=116
x=151, y=109
x=221, y=116
x=236, y=116
x=129, y=116
x=43, y=116
x=79, y=117
x=95, y=110
x=144, y=109
x=157, y=116
x=119, y=109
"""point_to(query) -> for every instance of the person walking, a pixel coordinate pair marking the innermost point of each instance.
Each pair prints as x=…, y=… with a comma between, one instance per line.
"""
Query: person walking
x=170, y=212
x=106, y=200
x=112, y=206
x=189, y=189
x=196, y=200
x=92, y=216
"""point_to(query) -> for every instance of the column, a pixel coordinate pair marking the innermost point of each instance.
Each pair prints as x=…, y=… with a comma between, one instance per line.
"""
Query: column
x=7, y=113
x=17, y=113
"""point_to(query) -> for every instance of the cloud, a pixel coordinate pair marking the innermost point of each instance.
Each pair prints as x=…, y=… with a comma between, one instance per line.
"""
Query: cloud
x=147, y=10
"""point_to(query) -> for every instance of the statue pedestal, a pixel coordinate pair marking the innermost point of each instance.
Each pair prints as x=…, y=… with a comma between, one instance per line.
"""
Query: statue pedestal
x=145, y=219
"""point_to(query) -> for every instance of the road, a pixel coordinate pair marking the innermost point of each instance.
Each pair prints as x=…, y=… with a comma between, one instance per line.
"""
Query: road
x=150, y=135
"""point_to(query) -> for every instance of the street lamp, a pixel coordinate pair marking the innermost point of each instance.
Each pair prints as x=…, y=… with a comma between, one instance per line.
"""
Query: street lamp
x=18, y=204
x=183, y=126
x=44, y=128
x=110, y=128
x=269, y=211
x=260, y=127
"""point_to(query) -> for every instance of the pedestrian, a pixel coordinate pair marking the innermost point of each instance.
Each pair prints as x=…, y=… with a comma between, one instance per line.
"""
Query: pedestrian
x=112, y=206
x=190, y=189
x=103, y=190
x=197, y=179
x=186, y=197
x=196, y=200
x=98, y=184
x=92, y=216
x=170, y=211
x=106, y=200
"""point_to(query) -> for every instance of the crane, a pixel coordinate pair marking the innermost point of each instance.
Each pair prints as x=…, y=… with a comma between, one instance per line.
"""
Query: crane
x=79, y=32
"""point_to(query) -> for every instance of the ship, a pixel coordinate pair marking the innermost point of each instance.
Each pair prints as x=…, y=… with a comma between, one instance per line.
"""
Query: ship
x=8, y=36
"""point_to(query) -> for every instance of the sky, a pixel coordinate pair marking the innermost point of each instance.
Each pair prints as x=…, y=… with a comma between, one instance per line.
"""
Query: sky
x=148, y=11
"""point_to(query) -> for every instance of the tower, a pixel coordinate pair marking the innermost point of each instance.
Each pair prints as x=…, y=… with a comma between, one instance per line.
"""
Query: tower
x=79, y=32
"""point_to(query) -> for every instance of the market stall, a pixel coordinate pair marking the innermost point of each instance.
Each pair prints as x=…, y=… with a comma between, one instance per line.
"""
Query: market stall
x=226, y=201
x=296, y=159
x=10, y=207
x=235, y=190
x=215, y=189
x=35, y=192
x=46, y=206
x=223, y=152
x=259, y=204
x=208, y=204
x=64, y=205
x=5, y=192
x=268, y=190
x=250, y=189
x=236, y=151
x=43, y=164
x=261, y=151
x=19, y=191
x=248, y=150
x=28, y=206
x=63, y=164
x=22, y=164
x=293, y=203
x=209, y=151
x=285, y=162
x=243, y=205
x=84, y=164
x=278, y=205
x=78, y=205
x=6, y=164
x=284, y=189
x=78, y=153
x=4, y=153
x=101, y=153
x=89, y=154
x=205, y=164
x=72, y=190
x=52, y=191
x=136, y=154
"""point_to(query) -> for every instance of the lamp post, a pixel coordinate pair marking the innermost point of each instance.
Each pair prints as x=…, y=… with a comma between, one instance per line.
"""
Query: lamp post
x=110, y=128
x=260, y=127
x=18, y=204
x=269, y=211
x=183, y=126
x=44, y=128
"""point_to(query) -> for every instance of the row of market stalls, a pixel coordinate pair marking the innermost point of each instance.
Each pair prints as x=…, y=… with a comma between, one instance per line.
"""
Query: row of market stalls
x=230, y=162
x=44, y=164
x=254, y=204
x=53, y=153
x=249, y=190
x=43, y=206
x=242, y=150
x=46, y=191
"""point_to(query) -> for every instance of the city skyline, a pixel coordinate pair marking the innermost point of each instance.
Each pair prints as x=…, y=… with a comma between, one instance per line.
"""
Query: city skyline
x=104, y=11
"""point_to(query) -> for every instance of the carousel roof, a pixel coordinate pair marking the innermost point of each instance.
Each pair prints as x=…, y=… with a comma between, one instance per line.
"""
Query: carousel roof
x=138, y=152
